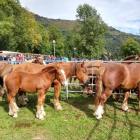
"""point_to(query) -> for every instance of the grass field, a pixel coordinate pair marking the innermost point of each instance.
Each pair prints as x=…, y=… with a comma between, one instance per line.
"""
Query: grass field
x=75, y=122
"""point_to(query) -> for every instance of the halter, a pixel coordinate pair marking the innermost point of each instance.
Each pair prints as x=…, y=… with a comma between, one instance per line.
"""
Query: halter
x=136, y=58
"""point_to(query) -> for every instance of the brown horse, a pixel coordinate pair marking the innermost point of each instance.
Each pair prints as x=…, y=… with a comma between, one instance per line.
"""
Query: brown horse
x=78, y=69
x=112, y=76
x=92, y=68
x=131, y=58
x=32, y=82
x=6, y=68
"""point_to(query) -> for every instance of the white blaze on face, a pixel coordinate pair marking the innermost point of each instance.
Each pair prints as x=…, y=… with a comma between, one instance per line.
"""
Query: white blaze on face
x=65, y=83
x=44, y=62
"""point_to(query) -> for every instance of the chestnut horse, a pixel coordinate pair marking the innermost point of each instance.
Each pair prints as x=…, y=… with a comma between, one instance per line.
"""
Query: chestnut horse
x=71, y=69
x=92, y=68
x=112, y=76
x=32, y=82
x=131, y=58
x=6, y=68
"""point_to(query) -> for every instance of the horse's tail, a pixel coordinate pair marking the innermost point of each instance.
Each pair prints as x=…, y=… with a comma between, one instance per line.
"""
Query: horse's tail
x=99, y=85
x=4, y=85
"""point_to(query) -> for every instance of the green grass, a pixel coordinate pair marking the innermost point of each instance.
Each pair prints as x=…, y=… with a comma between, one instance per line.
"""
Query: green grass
x=75, y=122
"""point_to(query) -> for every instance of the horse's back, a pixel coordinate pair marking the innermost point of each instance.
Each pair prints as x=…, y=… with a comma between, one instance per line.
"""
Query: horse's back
x=29, y=67
x=114, y=74
x=122, y=75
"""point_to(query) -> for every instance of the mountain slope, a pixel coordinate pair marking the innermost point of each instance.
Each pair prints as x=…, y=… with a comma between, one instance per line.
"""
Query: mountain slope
x=114, y=38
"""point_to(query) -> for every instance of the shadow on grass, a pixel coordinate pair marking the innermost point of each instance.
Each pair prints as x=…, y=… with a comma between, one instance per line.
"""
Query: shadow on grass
x=32, y=103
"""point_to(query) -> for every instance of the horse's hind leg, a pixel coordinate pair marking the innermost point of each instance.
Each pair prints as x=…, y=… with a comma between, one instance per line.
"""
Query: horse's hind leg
x=104, y=96
x=12, y=107
x=138, y=92
x=57, y=87
x=125, y=105
x=39, y=113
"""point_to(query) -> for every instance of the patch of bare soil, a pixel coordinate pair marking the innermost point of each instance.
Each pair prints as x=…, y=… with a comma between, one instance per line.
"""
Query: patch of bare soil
x=22, y=125
x=77, y=116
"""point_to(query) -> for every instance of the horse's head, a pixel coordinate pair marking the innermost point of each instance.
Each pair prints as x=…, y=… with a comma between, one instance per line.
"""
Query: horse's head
x=39, y=60
x=82, y=73
x=60, y=74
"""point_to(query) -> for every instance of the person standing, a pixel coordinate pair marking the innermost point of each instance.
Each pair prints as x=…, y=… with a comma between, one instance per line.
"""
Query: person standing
x=1, y=58
x=52, y=57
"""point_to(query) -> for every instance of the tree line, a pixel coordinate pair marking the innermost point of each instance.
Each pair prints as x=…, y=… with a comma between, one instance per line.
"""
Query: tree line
x=20, y=32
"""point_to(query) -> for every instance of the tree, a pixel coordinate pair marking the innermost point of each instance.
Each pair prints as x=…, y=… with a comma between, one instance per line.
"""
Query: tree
x=130, y=47
x=19, y=31
x=56, y=34
x=89, y=32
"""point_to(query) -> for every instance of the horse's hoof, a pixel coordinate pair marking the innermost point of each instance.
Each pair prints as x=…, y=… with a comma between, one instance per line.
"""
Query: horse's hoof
x=85, y=96
x=59, y=108
x=43, y=113
x=15, y=116
x=125, y=109
x=10, y=114
x=42, y=119
x=99, y=117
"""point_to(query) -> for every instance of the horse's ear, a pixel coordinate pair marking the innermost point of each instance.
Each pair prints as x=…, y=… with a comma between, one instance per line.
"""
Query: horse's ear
x=56, y=67
x=35, y=57
x=48, y=69
x=82, y=65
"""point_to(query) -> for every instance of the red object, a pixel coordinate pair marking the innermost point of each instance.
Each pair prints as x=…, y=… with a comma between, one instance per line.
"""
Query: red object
x=51, y=57
x=105, y=55
x=17, y=59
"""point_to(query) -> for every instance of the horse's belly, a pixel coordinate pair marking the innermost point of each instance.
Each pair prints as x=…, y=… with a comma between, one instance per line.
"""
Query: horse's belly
x=128, y=86
x=28, y=88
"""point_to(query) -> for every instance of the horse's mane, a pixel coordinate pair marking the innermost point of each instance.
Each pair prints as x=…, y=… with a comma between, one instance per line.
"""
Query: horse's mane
x=32, y=60
x=129, y=57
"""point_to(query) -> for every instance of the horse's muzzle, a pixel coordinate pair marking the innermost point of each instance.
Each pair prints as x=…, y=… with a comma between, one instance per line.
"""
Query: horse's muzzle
x=86, y=83
x=64, y=83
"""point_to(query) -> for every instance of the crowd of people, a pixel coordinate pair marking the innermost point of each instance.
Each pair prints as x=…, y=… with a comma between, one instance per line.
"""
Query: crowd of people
x=12, y=58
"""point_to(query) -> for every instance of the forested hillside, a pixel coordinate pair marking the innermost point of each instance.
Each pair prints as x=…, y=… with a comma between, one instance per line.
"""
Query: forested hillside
x=114, y=38
x=87, y=37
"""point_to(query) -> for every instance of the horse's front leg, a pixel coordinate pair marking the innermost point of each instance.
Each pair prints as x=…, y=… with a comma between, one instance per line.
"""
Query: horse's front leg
x=75, y=78
x=3, y=94
x=39, y=113
x=12, y=106
x=42, y=109
x=57, y=88
x=104, y=96
x=85, y=94
x=125, y=105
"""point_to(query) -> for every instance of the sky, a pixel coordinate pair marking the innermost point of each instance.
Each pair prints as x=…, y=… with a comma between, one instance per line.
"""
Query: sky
x=123, y=15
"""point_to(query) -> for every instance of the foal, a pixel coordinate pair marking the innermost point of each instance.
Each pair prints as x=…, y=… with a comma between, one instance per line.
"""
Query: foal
x=32, y=82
